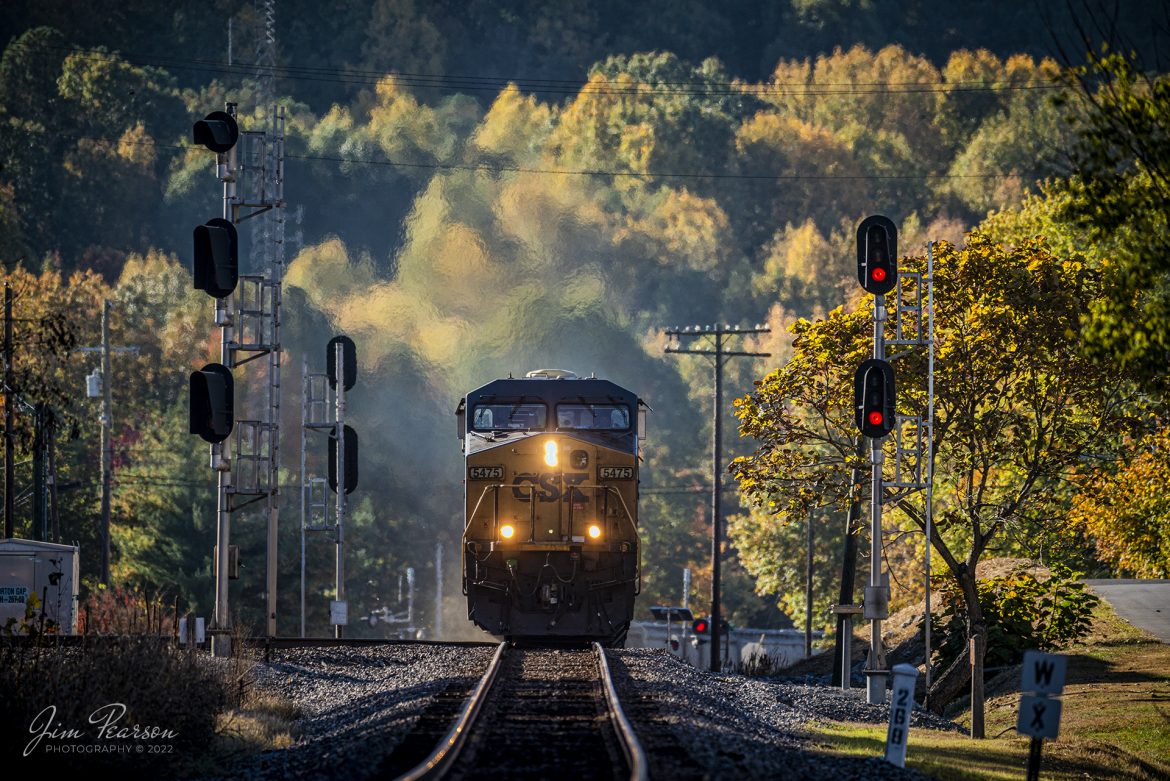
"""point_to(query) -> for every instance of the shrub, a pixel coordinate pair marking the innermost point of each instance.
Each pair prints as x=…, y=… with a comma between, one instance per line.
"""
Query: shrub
x=132, y=669
x=1021, y=611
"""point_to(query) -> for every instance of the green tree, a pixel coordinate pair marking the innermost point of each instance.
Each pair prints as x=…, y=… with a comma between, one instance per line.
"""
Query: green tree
x=1017, y=406
x=1126, y=511
x=1121, y=193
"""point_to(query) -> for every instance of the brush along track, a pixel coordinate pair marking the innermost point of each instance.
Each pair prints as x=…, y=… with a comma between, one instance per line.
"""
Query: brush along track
x=538, y=713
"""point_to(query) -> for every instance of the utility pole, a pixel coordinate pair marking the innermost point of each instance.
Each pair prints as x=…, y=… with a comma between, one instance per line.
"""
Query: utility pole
x=51, y=466
x=9, y=394
x=719, y=355
x=876, y=596
x=808, y=587
x=107, y=442
x=339, y=412
x=841, y=664
x=268, y=250
x=438, y=627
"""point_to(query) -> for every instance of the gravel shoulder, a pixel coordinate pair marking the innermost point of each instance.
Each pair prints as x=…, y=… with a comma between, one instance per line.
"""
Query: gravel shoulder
x=359, y=703
x=731, y=726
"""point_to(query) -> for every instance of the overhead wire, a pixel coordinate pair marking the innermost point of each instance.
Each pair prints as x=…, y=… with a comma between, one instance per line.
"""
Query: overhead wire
x=484, y=167
x=590, y=85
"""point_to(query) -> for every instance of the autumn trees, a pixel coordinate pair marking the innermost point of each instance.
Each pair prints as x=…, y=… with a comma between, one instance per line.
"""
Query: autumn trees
x=604, y=177
x=1018, y=407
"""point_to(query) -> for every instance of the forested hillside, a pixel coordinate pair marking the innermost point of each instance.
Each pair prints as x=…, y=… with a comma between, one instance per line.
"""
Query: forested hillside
x=491, y=187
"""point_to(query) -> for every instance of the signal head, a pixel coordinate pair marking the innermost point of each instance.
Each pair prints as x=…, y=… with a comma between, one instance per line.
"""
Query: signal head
x=217, y=131
x=351, y=460
x=877, y=255
x=873, y=397
x=212, y=404
x=216, y=259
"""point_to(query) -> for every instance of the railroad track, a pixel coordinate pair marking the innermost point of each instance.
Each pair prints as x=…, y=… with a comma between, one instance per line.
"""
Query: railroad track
x=536, y=713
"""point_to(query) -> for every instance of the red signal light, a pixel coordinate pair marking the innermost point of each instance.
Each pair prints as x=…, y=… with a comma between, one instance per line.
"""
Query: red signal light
x=878, y=274
x=700, y=626
x=875, y=418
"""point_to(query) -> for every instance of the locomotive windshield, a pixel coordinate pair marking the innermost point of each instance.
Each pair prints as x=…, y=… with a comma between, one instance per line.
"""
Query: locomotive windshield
x=593, y=417
x=499, y=417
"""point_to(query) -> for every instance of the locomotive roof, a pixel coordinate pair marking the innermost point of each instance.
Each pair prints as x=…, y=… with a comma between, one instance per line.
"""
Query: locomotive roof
x=553, y=390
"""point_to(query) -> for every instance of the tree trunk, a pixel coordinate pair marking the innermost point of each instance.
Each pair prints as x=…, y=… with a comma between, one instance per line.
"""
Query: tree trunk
x=949, y=685
x=976, y=644
x=978, y=647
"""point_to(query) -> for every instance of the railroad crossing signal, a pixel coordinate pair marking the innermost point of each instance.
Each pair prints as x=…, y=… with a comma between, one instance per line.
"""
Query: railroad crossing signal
x=873, y=398
x=877, y=255
x=217, y=131
x=212, y=402
x=215, y=264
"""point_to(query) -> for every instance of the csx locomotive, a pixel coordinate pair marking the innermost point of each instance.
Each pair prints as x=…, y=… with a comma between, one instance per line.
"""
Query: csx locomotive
x=550, y=539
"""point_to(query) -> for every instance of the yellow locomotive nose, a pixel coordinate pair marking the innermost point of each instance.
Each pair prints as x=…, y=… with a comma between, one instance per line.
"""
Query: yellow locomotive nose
x=550, y=452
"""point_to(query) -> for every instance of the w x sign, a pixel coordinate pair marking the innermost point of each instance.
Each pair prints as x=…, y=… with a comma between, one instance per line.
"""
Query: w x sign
x=1039, y=717
x=1043, y=673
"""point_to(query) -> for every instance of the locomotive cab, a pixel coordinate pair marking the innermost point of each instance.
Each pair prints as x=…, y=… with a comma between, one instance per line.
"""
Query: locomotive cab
x=550, y=540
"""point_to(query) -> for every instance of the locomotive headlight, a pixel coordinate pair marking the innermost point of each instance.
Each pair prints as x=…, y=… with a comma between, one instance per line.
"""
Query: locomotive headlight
x=507, y=530
x=550, y=452
x=594, y=531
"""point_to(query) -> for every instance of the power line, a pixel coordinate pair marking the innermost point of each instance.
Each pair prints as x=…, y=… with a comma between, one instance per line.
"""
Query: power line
x=592, y=85
x=500, y=169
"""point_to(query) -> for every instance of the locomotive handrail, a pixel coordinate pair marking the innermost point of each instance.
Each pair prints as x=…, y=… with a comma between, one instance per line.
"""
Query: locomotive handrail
x=472, y=514
x=631, y=746
x=532, y=488
x=439, y=763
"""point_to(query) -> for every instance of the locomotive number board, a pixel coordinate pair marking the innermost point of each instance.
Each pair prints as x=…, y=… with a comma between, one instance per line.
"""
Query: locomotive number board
x=485, y=472
x=615, y=473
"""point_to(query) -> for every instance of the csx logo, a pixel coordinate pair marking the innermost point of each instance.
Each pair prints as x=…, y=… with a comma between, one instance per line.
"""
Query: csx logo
x=548, y=486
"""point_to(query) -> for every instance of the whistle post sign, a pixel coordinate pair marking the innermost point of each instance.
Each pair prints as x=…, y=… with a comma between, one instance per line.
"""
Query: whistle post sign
x=1041, y=682
x=1043, y=674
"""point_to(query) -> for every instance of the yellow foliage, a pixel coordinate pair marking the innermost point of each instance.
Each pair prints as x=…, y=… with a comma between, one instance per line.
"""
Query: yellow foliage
x=516, y=125
x=691, y=229
x=326, y=274
x=137, y=147
x=1127, y=514
x=331, y=130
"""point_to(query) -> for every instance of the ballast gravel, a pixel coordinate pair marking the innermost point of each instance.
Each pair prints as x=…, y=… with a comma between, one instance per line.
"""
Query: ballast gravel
x=731, y=726
x=358, y=703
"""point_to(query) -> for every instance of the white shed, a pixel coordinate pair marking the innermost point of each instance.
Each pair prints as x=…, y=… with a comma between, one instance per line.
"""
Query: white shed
x=46, y=569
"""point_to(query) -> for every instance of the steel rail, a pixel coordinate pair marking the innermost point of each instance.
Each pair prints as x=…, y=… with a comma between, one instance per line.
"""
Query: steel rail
x=445, y=754
x=631, y=747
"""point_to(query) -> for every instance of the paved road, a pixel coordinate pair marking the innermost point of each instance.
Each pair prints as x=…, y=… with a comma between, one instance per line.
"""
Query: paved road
x=1143, y=603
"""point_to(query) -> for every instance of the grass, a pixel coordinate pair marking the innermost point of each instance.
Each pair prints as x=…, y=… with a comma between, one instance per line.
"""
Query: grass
x=264, y=723
x=1115, y=722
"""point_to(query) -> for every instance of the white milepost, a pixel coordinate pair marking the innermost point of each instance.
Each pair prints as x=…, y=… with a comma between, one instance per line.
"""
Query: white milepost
x=901, y=703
